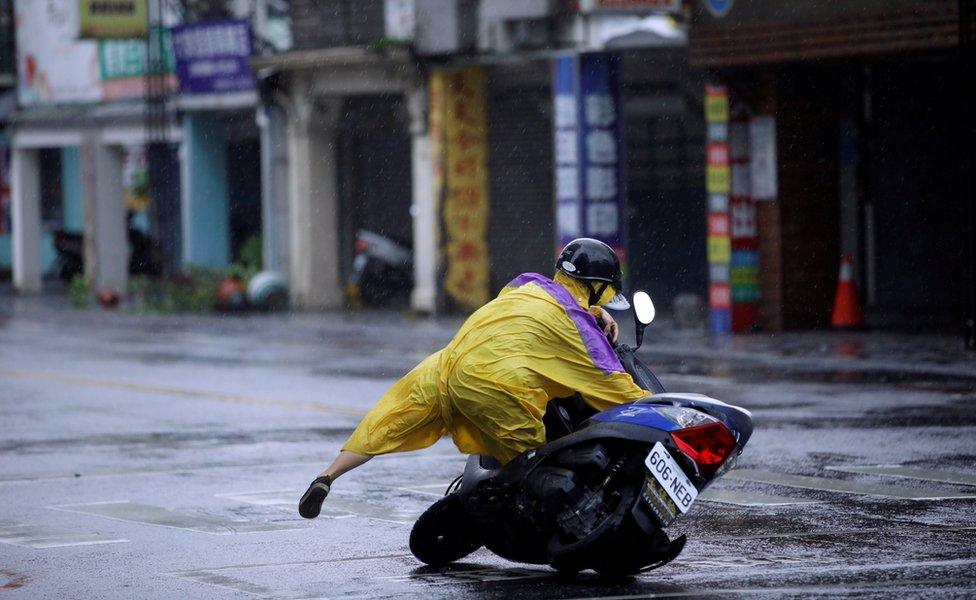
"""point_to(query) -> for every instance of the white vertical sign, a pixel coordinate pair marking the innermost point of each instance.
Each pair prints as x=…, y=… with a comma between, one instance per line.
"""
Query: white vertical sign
x=762, y=167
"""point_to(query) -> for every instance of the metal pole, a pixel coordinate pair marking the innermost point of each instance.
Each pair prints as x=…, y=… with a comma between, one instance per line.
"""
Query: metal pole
x=967, y=64
x=163, y=174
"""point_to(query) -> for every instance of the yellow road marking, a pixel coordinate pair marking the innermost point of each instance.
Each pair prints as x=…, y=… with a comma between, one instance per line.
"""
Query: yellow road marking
x=178, y=391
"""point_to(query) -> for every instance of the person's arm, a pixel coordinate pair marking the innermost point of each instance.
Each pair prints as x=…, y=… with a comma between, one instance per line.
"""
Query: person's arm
x=606, y=322
x=612, y=390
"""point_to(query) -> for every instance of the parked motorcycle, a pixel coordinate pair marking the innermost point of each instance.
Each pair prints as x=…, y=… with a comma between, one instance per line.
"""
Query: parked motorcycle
x=603, y=489
x=382, y=271
x=144, y=255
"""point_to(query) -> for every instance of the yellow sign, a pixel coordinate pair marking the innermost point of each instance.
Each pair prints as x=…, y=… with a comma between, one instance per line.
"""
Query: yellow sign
x=719, y=249
x=460, y=98
x=112, y=18
x=718, y=179
x=716, y=104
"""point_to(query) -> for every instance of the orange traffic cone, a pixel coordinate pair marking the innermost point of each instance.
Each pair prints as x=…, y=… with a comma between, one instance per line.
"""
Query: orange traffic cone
x=847, y=308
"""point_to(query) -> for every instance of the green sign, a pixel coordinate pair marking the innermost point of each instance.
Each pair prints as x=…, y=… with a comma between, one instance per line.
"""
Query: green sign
x=112, y=18
x=121, y=59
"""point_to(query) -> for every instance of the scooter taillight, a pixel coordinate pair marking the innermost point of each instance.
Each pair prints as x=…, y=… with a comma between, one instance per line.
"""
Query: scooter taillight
x=360, y=246
x=708, y=445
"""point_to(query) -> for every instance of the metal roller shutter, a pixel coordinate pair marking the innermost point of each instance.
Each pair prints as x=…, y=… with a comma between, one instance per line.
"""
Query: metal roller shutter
x=520, y=228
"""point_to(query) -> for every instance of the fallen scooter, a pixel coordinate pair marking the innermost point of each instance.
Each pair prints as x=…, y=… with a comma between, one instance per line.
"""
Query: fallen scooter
x=601, y=492
x=382, y=271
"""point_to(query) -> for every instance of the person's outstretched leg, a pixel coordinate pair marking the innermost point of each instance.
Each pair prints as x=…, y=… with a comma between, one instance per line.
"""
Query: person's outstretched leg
x=407, y=417
x=311, y=503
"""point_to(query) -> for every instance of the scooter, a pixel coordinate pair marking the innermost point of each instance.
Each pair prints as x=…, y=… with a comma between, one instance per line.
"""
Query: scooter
x=144, y=255
x=603, y=489
x=381, y=271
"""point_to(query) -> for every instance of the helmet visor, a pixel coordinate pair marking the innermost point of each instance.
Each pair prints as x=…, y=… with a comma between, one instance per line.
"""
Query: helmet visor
x=618, y=302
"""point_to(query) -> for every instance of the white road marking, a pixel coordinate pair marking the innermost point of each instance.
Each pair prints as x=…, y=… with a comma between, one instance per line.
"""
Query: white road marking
x=190, y=467
x=337, y=506
x=910, y=473
x=212, y=576
x=228, y=583
x=265, y=497
x=844, y=486
x=742, y=498
x=42, y=536
x=148, y=514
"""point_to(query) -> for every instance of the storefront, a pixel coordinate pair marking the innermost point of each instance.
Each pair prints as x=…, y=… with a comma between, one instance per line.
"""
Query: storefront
x=660, y=196
x=78, y=145
x=352, y=124
x=864, y=104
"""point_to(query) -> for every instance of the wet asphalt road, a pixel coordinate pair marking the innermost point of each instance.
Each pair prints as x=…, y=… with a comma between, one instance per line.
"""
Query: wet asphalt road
x=162, y=457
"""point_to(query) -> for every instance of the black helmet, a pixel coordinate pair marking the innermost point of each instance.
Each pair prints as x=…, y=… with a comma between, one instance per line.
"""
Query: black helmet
x=592, y=260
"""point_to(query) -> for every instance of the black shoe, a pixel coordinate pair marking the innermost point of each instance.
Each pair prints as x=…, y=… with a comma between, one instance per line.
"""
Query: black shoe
x=311, y=503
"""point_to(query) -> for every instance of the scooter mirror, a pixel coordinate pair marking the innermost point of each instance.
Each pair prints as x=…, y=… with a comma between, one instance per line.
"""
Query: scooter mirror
x=643, y=314
x=643, y=308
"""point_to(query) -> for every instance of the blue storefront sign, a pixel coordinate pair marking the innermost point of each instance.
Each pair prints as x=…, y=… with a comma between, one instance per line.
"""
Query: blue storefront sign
x=589, y=184
x=212, y=57
x=718, y=8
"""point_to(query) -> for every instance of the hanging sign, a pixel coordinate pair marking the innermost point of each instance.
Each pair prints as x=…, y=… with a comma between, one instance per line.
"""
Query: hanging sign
x=123, y=66
x=212, y=57
x=112, y=19
x=762, y=166
x=460, y=95
x=589, y=186
x=718, y=186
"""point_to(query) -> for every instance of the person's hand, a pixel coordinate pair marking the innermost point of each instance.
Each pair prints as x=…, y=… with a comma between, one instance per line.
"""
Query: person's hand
x=609, y=325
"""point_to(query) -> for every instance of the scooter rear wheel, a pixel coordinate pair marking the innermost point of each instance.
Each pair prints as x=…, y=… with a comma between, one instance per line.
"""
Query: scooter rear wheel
x=443, y=534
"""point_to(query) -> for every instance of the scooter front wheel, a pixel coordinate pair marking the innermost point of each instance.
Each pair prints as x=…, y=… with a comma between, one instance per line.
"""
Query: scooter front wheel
x=443, y=534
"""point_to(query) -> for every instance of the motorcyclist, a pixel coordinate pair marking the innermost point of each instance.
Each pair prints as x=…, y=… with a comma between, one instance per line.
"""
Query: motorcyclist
x=538, y=340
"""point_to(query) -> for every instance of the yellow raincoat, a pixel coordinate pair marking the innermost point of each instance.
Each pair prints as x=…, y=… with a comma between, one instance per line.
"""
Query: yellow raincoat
x=490, y=386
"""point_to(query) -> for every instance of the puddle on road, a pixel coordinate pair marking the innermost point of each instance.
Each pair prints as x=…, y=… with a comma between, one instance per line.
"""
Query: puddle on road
x=910, y=473
x=172, y=440
x=746, y=370
x=148, y=514
x=43, y=536
x=338, y=505
x=746, y=498
x=845, y=486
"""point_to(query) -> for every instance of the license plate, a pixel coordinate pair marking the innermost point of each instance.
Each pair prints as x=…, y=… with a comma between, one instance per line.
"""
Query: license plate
x=671, y=477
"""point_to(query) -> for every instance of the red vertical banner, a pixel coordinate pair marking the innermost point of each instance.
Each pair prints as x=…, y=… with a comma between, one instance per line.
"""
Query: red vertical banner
x=744, y=263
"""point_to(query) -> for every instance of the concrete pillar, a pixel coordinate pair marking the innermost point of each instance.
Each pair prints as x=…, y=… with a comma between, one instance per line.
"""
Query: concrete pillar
x=314, y=199
x=205, y=210
x=106, y=234
x=424, y=207
x=274, y=191
x=25, y=212
x=72, y=198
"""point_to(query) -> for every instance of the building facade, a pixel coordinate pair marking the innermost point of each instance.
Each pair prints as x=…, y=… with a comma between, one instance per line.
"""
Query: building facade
x=865, y=100
x=374, y=141
x=95, y=118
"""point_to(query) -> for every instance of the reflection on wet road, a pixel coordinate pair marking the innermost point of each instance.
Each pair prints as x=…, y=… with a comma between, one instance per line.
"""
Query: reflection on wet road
x=170, y=466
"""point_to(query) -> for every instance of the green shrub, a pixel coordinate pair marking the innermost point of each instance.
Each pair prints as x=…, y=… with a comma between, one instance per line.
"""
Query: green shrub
x=78, y=293
x=251, y=254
